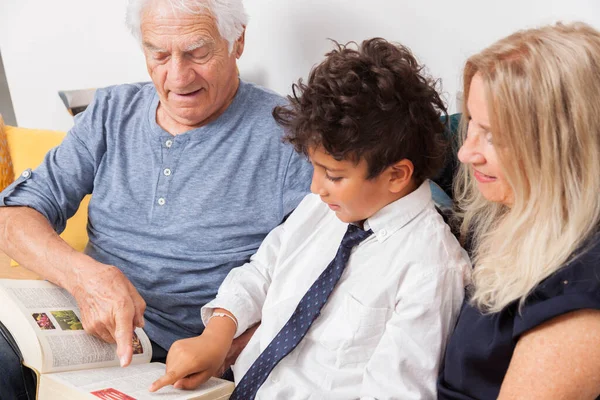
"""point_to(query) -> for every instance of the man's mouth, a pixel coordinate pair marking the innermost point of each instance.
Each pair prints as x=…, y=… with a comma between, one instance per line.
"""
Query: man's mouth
x=188, y=94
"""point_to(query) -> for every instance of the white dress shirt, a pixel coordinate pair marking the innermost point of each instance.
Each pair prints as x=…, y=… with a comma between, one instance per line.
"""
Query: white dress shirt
x=383, y=331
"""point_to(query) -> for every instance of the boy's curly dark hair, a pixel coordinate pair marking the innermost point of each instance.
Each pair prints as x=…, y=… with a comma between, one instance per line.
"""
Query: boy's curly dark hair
x=372, y=102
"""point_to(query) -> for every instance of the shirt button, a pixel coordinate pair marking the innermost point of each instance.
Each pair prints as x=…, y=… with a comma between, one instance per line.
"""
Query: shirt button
x=26, y=174
x=161, y=201
x=167, y=172
x=383, y=233
x=169, y=143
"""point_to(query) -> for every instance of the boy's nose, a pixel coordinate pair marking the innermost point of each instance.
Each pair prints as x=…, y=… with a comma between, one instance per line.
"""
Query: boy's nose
x=313, y=187
x=316, y=187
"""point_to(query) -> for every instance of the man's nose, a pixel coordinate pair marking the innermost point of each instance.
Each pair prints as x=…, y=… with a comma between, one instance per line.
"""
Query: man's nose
x=180, y=73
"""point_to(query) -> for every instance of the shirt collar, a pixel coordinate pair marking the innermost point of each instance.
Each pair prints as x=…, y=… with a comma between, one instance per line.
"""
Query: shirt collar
x=385, y=222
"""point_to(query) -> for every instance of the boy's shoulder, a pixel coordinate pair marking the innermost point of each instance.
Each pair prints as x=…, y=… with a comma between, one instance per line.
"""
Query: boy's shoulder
x=434, y=243
x=413, y=227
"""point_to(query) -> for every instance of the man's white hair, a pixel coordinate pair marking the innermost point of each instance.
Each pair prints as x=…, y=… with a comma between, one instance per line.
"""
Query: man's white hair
x=230, y=15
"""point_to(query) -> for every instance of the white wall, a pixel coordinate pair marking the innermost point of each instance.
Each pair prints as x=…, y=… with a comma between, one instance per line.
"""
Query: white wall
x=71, y=44
x=49, y=46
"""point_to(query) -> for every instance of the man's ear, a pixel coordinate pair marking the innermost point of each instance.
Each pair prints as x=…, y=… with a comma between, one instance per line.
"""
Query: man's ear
x=238, y=47
x=400, y=175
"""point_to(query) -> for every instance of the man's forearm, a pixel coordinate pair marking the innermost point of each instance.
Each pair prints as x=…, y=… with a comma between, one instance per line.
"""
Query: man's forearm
x=28, y=238
x=110, y=306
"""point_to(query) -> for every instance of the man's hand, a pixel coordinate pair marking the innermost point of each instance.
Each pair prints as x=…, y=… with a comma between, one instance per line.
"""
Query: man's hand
x=193, y=361
x=237, y=346
x=110, y=306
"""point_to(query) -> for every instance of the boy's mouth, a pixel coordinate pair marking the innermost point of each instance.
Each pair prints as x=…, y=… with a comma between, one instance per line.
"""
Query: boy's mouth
x=334, y=207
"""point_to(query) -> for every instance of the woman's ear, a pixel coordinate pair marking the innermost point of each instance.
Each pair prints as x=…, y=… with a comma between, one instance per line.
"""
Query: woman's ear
x=400, y=175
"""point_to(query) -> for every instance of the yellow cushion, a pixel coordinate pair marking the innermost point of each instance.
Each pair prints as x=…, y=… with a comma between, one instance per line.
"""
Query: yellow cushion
x=27, y=149
x=6, y=168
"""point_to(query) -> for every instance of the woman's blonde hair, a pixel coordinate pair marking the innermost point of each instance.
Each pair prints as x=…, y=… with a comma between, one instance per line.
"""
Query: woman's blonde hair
x=543, y=95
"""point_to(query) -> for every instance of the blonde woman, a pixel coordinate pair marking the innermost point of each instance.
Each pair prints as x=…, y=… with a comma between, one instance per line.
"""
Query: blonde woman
x=529, y=197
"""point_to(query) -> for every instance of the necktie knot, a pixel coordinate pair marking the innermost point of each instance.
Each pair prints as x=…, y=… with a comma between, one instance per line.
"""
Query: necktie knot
x=354, y=235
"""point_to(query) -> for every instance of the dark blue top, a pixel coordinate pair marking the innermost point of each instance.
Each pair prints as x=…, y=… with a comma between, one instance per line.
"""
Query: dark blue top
x=481, y=347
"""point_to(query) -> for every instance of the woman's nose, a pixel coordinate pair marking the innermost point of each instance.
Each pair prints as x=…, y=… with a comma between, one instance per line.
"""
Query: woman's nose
x=469, y=152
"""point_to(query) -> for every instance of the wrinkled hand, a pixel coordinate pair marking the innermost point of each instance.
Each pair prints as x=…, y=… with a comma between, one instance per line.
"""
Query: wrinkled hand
x=110, y=306
x=193, y=361
x=237, y=346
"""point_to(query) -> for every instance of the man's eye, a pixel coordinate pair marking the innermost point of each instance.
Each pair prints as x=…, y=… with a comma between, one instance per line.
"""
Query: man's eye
x=201, y=56
x=201, y=53
x=160, y=56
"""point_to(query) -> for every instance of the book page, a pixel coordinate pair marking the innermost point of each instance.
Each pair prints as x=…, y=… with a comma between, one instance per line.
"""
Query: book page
x=133, y=382
x=53, y=314
x=21, y=331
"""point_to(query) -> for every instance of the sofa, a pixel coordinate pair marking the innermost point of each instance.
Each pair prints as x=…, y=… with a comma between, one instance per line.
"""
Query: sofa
x=22, y=148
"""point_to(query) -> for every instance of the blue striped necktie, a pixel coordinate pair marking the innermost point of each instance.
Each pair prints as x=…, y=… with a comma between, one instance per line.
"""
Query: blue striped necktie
x=305, y=314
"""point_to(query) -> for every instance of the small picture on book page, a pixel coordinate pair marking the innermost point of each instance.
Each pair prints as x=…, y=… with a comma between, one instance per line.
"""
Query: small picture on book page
x=137, y=345
x=111, y=394
x=67, y=320
x=43, y=321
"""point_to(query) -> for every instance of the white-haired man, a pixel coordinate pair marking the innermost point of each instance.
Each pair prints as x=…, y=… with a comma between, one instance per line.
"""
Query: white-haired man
x=187, y=174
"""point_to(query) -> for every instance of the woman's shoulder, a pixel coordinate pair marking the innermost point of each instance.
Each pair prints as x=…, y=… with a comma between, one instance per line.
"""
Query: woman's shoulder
x=575, y=286
x=580, y=274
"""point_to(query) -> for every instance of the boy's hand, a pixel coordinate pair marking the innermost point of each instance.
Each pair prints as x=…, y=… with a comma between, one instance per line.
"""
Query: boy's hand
x=191, y=362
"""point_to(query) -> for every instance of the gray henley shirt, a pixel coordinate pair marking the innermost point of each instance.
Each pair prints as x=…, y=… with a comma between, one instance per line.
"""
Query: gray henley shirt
x=174, y=213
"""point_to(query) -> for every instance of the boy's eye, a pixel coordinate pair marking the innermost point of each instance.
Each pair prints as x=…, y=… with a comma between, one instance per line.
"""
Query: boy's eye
x=333, y=178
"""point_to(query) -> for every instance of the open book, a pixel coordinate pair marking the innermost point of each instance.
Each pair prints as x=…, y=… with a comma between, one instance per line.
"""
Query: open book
x=70, y=364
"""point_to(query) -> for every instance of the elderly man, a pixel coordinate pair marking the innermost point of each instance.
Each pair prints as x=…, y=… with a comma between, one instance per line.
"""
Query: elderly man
x=187, y=174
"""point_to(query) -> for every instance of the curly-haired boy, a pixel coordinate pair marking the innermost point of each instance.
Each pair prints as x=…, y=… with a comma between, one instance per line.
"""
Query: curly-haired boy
x=359, y=289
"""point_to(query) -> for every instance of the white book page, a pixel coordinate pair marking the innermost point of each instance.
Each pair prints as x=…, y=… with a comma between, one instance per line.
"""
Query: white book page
x=132, y=381
x=53, y=314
